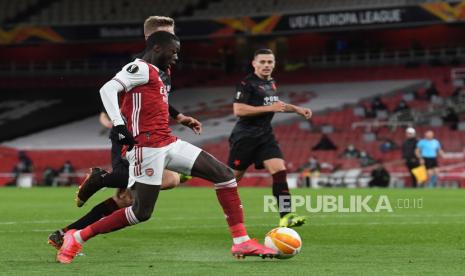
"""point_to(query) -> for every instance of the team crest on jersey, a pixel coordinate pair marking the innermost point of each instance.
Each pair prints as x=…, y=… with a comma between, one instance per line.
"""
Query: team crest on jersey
x=132, y=68
x=149, y=172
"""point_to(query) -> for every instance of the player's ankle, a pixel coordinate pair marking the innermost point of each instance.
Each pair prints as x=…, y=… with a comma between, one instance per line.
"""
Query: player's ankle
x=238, y=240
x=77, y=237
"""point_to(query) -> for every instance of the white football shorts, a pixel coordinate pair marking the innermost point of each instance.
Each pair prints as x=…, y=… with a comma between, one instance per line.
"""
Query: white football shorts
x=146, y=165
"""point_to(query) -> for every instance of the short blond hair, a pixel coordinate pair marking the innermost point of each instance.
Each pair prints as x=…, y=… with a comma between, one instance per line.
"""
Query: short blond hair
x=152, y=23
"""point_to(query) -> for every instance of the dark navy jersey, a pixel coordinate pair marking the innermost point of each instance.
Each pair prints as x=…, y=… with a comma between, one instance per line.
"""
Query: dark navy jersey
x=255, y=92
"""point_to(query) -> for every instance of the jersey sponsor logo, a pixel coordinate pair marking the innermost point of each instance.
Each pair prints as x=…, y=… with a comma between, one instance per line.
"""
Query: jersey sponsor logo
x=149, y=172
x=132, y=68
x=270, y=100
x=164, y=93
x=238, y=95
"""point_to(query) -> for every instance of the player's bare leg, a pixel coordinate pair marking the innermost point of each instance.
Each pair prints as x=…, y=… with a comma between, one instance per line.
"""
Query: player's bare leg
x=238, y=175
x=277, y=169
x=432, y=177
x=209, y=168
x=124, y=197
x=99, y=178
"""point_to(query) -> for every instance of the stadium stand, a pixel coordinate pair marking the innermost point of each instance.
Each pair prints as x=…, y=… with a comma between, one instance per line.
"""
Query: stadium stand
x=244, y=7
x=69, y=12
x=333, y=83
x=218, y=99
x=10, y=9
x=73, y=141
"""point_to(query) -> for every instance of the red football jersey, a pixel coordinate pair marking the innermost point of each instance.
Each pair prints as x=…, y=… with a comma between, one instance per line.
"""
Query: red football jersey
x=145, y=104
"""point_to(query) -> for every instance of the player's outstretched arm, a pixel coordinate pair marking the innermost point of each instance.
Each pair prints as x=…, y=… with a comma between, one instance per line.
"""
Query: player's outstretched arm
x=441, y=153
x=109, y=94
x=304, y=112
x=243, y=110
x=190, y=122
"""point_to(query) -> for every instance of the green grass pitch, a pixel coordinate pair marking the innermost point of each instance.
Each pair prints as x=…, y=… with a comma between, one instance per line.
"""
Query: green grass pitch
x=188, y=235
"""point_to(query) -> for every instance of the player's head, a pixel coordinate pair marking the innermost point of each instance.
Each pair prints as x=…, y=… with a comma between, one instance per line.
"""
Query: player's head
x=429, y=134
x=263, y=63
x=157, y=23
x=410, y=132
x=162, y=49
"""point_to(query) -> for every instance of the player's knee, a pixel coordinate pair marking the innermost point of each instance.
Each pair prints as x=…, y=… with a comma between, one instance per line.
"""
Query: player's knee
x=238, y=175
x=123, y=198
x=170, y=180
x=225, y=174
x=169, y=185
x=122, y=203
x=142, y=214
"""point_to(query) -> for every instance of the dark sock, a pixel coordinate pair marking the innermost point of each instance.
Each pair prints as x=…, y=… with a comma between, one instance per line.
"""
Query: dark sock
x=101, y=210
x=116, y=180
x=280, y=188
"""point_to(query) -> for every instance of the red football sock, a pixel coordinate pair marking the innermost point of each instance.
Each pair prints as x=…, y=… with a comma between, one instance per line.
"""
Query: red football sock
x=232, y=208
x=117, y=220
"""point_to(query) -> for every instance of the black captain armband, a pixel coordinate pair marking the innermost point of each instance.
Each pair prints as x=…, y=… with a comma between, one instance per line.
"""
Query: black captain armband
x=173, y=112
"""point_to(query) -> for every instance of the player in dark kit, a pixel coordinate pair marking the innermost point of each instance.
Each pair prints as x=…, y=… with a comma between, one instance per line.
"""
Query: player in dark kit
x=252, y=140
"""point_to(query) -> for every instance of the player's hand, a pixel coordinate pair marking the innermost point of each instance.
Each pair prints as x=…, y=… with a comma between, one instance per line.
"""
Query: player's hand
x=190, y=122
x=305, y=112
x=278, y=107
x=124, y=136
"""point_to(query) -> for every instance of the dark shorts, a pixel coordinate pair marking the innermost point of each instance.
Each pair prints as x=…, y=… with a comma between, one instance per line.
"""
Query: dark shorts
x=431, y=163
x=118, y=164
x=248, y=150
x=412, y=163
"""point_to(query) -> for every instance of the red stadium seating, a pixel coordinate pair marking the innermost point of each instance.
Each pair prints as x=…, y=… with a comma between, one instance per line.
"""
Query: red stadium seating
x=295, y=142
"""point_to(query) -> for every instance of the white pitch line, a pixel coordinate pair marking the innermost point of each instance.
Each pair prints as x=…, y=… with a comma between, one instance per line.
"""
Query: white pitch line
x=248, y=218
x=214, y=226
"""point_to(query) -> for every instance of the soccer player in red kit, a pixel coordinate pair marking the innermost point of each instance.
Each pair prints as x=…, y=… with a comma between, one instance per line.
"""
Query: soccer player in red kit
x=152, y=148
x=119, y=176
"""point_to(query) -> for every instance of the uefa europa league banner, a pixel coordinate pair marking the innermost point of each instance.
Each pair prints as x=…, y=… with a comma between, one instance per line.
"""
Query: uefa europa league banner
x=424, y=14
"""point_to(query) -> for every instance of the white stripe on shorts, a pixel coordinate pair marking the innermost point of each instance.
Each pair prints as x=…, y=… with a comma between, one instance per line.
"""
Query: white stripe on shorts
x=139, y=159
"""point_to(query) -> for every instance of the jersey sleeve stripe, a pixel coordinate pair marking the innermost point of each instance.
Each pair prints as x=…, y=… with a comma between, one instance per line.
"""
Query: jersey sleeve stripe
x=133, y=121
x=122, y=83
x=136, y=104
x=139, y=105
